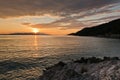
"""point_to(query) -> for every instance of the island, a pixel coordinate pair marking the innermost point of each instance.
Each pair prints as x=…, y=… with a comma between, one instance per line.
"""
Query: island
x=110, y=29
x=25, y=34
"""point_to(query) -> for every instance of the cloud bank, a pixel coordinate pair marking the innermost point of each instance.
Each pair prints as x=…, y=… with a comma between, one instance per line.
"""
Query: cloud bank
x=73, y=11
x=13, y=8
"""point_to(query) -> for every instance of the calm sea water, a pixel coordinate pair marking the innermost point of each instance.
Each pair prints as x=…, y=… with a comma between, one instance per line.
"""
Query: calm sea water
x=30, y=54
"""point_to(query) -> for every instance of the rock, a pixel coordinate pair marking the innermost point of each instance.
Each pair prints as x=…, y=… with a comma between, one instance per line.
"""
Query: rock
x=103, y=69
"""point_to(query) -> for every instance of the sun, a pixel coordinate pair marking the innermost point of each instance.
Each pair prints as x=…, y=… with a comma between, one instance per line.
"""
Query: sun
x=35, y=30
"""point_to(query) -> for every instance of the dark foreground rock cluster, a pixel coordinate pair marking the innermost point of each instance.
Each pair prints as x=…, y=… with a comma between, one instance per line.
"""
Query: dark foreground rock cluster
x=84, y=69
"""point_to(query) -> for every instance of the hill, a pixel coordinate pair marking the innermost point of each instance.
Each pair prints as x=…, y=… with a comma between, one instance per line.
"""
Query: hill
x=110, y=29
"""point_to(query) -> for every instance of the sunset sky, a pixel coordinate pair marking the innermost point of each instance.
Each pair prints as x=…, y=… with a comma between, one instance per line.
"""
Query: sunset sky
x=55, y=16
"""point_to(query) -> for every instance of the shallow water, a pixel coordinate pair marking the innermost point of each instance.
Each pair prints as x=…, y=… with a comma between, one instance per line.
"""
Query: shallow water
x=24, y=57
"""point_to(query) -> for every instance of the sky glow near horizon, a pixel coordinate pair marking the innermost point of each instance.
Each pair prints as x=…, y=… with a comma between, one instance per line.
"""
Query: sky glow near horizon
x=55, y=17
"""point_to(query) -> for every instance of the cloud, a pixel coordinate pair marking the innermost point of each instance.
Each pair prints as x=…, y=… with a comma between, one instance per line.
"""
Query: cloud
x=26, y=24
x=60, y=24
x=15, y=8
x=71, y=14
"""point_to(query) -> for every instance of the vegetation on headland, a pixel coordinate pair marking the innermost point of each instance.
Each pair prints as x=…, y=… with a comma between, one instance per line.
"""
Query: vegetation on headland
x=110, y=29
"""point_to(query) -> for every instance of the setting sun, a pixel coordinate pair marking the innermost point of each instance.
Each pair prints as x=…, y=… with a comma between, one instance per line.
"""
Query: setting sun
x=35, y=30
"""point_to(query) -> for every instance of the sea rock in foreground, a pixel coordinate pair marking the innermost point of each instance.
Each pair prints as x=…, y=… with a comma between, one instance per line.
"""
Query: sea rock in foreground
x=84, y=69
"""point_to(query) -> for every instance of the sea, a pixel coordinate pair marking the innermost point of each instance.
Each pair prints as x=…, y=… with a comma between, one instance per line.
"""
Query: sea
x=24, y=57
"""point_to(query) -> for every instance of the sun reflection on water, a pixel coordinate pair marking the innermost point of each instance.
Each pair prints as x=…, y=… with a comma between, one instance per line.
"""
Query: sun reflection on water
x=36, y=42
x=35, y=46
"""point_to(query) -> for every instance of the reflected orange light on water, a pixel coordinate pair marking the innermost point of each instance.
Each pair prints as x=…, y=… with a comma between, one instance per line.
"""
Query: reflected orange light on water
x=36, y=42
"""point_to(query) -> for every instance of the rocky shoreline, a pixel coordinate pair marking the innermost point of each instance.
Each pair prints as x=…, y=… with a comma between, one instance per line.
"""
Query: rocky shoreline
x=84, y=69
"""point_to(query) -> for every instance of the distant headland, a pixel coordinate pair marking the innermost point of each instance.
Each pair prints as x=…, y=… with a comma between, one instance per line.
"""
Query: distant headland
x=25, y=34
x=110, y=29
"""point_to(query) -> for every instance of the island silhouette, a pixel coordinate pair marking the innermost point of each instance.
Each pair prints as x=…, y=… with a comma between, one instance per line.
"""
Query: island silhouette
x=20, y=33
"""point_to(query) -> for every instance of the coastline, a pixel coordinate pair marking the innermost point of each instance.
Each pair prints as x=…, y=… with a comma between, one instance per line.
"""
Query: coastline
x=100, y=36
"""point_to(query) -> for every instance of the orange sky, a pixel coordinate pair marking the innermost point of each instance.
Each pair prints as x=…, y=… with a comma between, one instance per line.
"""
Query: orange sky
x=55, y=17
x=12, y=25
